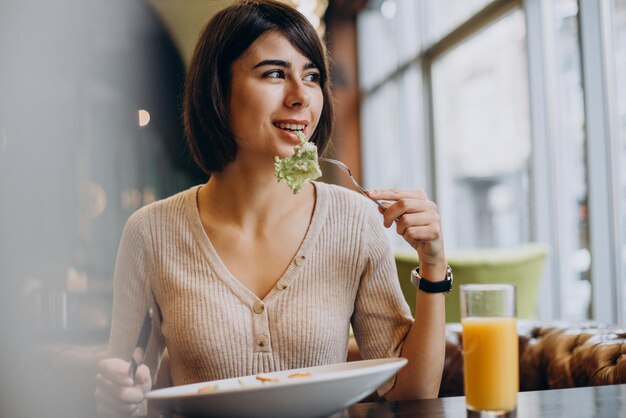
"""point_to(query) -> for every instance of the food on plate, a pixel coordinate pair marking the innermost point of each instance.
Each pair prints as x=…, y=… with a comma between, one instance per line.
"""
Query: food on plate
x=208, y=389
x=271, y=379
x=263, y=378
x=299, y=375
x=301, y=167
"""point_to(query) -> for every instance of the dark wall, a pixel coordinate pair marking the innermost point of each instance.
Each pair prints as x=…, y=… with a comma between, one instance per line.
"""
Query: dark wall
x=74, y=164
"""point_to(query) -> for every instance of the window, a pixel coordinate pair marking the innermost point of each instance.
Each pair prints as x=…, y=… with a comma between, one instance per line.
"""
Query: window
x=482, y=137
x=517, y=112
x=392, y=116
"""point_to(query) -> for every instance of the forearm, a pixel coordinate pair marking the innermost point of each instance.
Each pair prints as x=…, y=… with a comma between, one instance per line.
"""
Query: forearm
x=424, y=347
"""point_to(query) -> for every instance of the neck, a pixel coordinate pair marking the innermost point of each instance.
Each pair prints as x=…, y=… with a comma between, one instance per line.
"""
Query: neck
x=251, y=198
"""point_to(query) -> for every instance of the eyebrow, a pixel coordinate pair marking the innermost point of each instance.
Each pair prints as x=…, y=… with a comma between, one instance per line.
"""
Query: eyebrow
x=282, y=63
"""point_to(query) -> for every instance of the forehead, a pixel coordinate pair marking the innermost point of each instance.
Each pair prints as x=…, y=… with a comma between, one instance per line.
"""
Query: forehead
x=271, y=45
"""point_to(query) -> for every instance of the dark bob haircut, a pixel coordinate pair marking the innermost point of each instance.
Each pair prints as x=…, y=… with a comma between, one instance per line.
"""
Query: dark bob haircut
x=206, y=112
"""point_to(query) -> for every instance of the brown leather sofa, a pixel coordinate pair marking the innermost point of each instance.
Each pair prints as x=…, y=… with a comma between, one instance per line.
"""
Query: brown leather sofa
x=551, y=356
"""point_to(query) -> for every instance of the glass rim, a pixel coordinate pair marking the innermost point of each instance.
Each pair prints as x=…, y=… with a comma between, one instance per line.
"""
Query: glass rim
x=487, y=286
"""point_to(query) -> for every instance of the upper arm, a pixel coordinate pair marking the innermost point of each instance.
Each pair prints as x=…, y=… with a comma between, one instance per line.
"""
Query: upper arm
x=382, y=317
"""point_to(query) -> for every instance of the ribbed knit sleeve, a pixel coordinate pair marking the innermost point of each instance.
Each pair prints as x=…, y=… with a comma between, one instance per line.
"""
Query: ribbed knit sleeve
x=132, y=293
x=382, y=318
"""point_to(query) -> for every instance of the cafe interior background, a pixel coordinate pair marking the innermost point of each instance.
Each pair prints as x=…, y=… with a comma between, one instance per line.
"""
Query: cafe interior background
x=511, y=114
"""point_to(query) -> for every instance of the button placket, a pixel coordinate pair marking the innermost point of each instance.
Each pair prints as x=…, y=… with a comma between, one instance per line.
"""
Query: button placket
x=260, y=328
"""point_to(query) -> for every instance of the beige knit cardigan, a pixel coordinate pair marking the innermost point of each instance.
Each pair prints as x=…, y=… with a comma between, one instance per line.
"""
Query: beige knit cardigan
x=215, y=328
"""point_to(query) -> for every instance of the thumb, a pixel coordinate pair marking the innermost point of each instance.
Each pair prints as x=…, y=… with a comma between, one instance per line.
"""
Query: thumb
x=143, y=378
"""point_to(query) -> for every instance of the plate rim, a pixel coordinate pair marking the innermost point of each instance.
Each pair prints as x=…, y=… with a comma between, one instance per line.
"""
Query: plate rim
x=385, y=363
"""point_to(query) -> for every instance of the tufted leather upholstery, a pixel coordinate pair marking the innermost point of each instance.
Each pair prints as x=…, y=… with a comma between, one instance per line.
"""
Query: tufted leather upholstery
x=552, y=356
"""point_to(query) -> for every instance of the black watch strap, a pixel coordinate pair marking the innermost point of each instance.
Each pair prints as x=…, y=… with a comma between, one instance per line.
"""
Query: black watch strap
x=425, y=285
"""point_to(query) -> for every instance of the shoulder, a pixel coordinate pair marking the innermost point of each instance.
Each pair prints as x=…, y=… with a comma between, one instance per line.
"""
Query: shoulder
x=350, y=207
x=161, y=211
x=340, y=198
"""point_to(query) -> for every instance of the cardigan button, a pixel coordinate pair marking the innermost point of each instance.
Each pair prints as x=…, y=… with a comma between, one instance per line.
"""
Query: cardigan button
x=262, y=340
x=300, y=261
x=258, y=308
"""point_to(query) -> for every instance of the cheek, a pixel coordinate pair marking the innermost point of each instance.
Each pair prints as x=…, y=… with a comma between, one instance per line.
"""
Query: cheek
x=243, y=109
x=317, y=104
x=254, y=102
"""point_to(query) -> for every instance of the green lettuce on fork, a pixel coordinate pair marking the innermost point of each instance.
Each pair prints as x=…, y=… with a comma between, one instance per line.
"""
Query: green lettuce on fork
x=301, y=167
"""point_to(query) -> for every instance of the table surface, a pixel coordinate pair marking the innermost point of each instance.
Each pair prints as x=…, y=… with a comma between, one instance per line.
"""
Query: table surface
x=598, y=401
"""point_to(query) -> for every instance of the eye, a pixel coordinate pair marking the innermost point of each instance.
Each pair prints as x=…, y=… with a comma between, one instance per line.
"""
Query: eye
x=274, y=74
x=312, y=77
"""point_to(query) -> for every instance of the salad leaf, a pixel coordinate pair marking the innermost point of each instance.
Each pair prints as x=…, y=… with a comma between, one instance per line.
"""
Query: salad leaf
x=301, y=167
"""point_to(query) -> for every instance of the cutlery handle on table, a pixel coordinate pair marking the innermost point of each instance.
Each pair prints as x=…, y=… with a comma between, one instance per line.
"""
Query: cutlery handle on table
x=139, y=353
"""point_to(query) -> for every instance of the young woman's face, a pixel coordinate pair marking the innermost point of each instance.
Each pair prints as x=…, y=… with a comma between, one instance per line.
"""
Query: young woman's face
x=275, y=91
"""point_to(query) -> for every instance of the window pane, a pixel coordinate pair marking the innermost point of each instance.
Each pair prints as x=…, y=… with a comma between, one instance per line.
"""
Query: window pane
x=388, y=37
x=394, y=150
x=445, y=15
x=482, y=137
x=569, y=165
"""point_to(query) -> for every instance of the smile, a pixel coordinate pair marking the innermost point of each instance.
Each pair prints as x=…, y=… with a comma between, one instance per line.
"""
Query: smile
x=290, y=126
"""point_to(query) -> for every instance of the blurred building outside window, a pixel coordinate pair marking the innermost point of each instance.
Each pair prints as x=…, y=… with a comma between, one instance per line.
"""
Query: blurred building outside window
x=392, y=114
x=444, y=16
x=482, y=137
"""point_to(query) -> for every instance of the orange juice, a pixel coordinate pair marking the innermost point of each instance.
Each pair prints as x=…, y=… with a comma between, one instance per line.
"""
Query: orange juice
x=490, y=358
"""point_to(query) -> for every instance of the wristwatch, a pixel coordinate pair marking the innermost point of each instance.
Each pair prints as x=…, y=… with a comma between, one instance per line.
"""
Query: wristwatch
x=428, y=286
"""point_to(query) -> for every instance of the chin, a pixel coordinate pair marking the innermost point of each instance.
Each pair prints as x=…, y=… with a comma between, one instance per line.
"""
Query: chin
x=285, y=152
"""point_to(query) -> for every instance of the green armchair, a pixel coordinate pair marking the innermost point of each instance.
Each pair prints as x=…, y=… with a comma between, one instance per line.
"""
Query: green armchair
x=522, y=266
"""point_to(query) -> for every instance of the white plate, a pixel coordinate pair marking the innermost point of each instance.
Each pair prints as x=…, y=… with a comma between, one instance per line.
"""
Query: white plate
x=329, y=389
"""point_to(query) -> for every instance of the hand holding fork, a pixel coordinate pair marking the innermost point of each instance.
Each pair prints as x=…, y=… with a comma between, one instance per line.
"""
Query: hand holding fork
x=415, y=215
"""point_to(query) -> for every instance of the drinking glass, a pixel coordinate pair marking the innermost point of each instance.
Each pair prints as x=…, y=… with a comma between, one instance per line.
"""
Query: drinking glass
x=490, y=349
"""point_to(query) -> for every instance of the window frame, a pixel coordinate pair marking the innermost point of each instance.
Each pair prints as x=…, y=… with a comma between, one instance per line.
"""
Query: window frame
x=603, y=152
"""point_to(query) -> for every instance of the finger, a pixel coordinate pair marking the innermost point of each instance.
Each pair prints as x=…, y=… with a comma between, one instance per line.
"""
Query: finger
x=124, y=394
x=143, y=379
x=113, y=406
x=417, y=219
x=396, y=194
x=417, y=234
x=407, y=206
x=115, y=370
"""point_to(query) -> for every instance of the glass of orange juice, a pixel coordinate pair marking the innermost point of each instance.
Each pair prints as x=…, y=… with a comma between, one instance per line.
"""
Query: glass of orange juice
x=490, y=348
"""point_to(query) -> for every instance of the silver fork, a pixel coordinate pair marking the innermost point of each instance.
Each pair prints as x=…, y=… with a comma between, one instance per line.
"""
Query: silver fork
x=356, y=184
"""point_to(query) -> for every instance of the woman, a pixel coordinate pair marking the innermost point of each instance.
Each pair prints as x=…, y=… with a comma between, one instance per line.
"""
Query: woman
x=246, y=277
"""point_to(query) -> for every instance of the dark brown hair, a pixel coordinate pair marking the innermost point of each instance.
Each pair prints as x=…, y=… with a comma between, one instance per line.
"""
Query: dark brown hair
x=206, y=113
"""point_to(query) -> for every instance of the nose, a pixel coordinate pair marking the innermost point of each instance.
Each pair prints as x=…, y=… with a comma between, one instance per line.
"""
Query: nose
x=297, y=95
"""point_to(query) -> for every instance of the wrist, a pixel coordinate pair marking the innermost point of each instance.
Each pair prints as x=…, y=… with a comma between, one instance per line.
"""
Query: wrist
x=432, y=280
x=433, y=268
